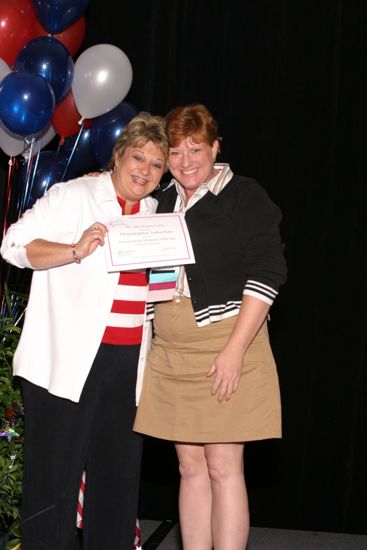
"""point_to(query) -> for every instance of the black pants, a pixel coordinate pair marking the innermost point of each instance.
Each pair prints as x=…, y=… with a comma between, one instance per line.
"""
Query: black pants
x=63, y=438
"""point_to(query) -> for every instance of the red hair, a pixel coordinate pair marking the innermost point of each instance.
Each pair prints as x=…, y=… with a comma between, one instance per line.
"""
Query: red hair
x=193, y=120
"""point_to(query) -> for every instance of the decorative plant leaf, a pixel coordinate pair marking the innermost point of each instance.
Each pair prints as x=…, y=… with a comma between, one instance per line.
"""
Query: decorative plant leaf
x=11, y=415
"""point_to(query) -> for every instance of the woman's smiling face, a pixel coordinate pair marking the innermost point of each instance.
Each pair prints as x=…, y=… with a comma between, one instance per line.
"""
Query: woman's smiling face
x=138, y=172
x=191, y=163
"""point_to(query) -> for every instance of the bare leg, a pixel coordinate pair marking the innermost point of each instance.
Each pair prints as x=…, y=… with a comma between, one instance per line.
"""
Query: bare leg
x=195, y=499
x=230, y=513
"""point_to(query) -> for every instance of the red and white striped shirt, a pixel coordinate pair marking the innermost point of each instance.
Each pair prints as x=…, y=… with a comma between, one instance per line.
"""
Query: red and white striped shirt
x=125, y=321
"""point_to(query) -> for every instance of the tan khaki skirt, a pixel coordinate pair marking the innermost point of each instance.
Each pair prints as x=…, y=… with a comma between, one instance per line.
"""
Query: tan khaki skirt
x=176, y=401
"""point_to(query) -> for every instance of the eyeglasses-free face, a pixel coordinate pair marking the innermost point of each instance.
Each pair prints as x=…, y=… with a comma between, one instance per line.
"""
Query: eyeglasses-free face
x=191, y=163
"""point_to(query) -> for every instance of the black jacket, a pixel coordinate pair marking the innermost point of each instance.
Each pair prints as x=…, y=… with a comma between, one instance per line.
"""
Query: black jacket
x=237, y=246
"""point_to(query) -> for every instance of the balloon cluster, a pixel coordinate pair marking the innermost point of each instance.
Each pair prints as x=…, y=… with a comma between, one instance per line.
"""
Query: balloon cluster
x=45, y=90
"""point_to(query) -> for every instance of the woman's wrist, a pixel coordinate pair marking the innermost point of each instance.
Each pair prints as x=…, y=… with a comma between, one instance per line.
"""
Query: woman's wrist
x=76, y=258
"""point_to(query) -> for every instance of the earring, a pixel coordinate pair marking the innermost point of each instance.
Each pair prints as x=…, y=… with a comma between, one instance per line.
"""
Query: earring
x=158, y=187
x=115, y=168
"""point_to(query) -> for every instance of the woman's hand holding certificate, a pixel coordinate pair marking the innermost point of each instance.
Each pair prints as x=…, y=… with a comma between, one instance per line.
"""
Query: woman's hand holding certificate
x=147, y=241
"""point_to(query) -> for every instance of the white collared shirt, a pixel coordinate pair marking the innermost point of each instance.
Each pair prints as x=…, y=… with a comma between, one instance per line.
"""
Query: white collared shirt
x=223, y=175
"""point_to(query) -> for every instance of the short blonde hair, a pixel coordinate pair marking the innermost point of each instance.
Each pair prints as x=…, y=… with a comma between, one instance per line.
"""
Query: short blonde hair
x=142, y=128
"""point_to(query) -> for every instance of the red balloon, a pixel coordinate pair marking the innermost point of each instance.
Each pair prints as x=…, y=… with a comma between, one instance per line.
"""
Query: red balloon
x=72, y=37
x=65, y=117
x=16, y=28
x=25, y=7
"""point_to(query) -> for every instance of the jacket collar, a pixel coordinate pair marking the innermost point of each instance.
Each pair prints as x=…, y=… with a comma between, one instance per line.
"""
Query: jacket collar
x=105, y=197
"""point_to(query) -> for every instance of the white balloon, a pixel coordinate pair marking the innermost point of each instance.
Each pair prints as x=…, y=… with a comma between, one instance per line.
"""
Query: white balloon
x=40, y=142
x=11, y=144
x=102, y=79
x=4, y=69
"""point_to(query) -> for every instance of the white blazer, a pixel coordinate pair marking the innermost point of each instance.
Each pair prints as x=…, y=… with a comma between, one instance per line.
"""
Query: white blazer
x=69, y=305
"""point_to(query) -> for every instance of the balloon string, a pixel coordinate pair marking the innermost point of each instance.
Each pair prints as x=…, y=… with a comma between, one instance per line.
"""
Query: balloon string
x=60, y=144
x=3, y=302
x=4, y=273
x=33, y=175
x=8, y=193
x=19, y=201
x=73, y=150
x=27, y=179
x=10, y=306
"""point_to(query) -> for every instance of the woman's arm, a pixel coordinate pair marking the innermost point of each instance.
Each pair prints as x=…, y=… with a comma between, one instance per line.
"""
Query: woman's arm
x=227, y=366
x=257, y=220
x=43, y=254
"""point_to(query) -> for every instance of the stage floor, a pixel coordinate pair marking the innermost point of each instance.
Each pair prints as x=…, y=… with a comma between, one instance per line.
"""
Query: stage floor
x=166, y=536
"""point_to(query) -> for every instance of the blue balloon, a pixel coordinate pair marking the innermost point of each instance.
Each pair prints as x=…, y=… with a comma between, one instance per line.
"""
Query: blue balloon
x=107, y=128
x=45, y=171
x=27, y=102
x=76, y=156
x=47, y=57
x=57, y=15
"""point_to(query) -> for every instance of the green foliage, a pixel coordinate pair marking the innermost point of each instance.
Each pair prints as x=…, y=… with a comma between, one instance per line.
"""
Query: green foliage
x=11, y=417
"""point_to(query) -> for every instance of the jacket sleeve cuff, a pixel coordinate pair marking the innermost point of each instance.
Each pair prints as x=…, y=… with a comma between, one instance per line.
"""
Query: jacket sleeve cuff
x=259, y=290
x=17, y=255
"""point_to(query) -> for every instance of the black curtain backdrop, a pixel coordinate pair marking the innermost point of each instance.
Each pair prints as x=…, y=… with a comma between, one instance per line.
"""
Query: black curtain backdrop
x=287, y=81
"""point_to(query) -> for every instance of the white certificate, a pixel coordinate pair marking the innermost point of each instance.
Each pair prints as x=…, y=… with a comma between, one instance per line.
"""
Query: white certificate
x=148, y=240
